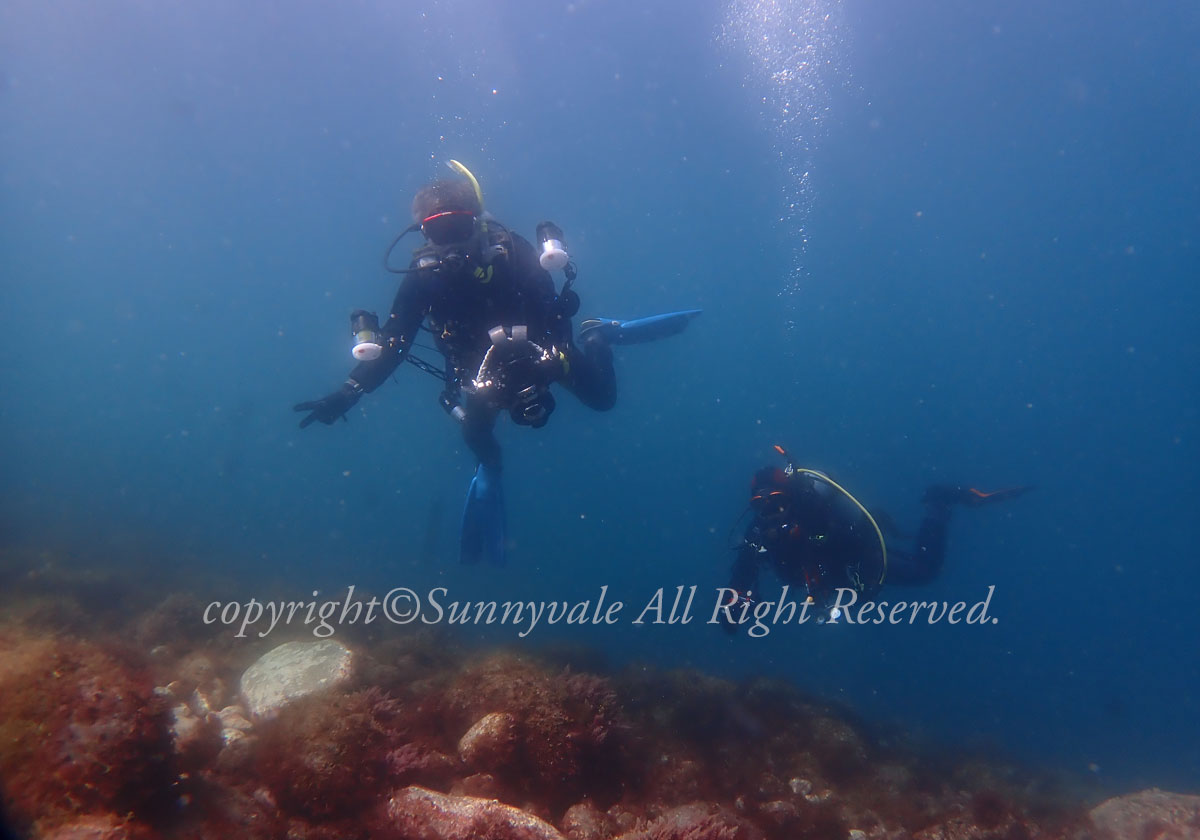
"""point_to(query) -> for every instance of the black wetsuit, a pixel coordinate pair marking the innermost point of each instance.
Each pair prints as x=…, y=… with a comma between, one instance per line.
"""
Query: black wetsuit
x=816, y=541
x=459, y=298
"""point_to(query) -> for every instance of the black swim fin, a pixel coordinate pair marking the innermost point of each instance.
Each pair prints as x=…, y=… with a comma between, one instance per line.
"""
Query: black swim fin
x=945, y=494
x=977, y=498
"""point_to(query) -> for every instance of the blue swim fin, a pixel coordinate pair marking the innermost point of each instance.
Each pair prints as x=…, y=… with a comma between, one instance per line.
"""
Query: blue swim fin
x=638, y=330
x=483, y=533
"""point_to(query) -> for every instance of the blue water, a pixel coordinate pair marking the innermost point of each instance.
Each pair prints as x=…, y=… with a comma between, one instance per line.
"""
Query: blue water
x=934, y=241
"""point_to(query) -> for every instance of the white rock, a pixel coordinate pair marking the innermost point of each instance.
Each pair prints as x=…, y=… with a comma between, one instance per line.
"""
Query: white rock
x=291, y=671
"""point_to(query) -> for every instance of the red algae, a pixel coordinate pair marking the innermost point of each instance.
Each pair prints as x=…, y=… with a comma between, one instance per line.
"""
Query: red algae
x=81, y=732
x=560, y=740
x=326, y=757
x=425, y=743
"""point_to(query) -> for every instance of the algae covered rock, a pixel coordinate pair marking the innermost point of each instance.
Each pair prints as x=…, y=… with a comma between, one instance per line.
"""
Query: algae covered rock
x=491, y=743
x=418, y=812
x=1150, y=813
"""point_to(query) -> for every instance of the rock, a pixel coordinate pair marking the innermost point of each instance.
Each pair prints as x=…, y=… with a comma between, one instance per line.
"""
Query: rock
x=234, y=725
x=291, y=671
x=419, y=764
x=1152, y=814
x=622, y=818
x=490, y=743
x=585, y=821
x=483, y=785
x=416, y=812
x=237, y=736
x=185, y=724
x=105, y=827
x=236, y=758
x=800, y=787
x=197, y=737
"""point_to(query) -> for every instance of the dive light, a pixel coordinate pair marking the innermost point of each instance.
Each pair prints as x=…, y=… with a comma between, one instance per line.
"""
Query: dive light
x=364, y=326
x=550, y=239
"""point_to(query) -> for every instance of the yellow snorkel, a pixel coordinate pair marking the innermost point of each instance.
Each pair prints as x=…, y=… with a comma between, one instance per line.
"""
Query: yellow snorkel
x=483, y=275
x=466, y=173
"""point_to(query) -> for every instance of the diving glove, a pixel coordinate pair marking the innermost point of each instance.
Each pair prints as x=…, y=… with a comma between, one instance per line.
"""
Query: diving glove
x=329, y=408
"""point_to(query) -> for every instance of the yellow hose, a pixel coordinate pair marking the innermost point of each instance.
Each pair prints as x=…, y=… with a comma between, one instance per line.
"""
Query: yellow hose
x=858, y=504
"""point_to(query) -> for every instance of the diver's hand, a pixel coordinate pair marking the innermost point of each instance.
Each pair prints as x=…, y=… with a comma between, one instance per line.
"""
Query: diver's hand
x=330, y=408
x=553, y=368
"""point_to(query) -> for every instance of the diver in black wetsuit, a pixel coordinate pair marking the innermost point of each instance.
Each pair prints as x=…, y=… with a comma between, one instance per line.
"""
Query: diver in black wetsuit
x=817, y=538
x=487, y=298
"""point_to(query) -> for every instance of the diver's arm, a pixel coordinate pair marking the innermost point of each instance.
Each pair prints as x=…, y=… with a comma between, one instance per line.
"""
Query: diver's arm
x=743, y=578
x=408, y=311
x=398, y=334
x=537, y=286
x=744, y=575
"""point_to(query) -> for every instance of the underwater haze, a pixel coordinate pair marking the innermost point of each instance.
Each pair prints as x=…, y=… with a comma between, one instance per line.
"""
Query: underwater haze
x=933, y=241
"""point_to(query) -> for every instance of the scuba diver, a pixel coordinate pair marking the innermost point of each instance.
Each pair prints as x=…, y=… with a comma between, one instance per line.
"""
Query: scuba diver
x=486, y=296
x=818, y=538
